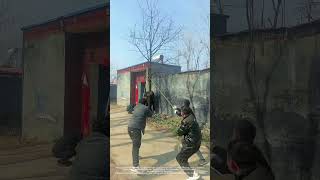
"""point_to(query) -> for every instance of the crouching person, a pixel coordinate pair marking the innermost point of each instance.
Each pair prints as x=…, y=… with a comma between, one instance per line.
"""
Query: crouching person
x=191, y=141
x=92, y=158
x=246, y=162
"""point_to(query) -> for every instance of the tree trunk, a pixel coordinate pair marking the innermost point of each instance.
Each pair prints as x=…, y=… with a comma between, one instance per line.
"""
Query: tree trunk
x=149, y=85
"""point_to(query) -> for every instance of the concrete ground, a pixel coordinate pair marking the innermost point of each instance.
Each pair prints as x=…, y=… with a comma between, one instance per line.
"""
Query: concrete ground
x=28, y=161
x=158, y=149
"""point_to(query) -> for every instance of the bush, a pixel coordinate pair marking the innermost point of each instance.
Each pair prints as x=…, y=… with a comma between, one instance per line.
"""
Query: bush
x=165, y=122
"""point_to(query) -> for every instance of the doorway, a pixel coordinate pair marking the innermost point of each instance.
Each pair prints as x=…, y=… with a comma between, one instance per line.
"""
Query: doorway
x=73, y=84
x=86, y=81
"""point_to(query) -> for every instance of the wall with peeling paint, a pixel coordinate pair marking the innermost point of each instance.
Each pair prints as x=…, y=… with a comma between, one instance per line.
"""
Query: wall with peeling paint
x=174, y=88
x=44, y=88
x=290, y=130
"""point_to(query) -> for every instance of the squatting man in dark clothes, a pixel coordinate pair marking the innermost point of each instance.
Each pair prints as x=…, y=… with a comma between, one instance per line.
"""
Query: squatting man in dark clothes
x=237, y=160
x=186, y=103
x=64, y=149
x=90, y=154
x=191, y=141
x=92, y=159
x=136, y=127
x=246, y=163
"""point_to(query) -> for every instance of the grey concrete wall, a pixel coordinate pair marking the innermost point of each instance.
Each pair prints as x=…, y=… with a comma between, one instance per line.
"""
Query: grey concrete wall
x=123, y=88
x=164, y=69
x=289, y=80
x=113, y=93
x=288, y=127
x=174, y=87
x=158, y=69
x=15, y=14
x=44, y=88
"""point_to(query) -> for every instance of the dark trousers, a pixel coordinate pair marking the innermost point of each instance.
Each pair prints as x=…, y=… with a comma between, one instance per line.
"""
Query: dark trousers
x=135, y=135
x=183, y=156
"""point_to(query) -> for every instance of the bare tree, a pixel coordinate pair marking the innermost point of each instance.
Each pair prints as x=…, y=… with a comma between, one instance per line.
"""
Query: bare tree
x=205, y=41
x=276, y=10
x=191, y=54
x=113, y=73
x=155, y=33
x=259, y=89
x=307, y=8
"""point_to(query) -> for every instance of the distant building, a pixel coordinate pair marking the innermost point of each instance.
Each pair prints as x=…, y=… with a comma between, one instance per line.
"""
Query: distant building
x=16, y=14
x=113, y=93
x=10, y=101
x=131, y=81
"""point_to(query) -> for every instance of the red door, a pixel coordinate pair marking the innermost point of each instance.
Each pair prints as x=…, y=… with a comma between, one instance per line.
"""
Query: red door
x=85, y=125
x=139, y=80
x=136, y=93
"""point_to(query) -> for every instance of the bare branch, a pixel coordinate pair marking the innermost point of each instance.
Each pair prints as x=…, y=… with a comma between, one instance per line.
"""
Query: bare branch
x=155, y=32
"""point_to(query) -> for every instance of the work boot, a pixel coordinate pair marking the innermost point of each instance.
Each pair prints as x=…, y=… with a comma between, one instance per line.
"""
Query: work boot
x=65, y=163
x=202, y=162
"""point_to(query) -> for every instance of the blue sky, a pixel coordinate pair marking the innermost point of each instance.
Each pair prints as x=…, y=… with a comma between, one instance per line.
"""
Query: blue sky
x=190, y=14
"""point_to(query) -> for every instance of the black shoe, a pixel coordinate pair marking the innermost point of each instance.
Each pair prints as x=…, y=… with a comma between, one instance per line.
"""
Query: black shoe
x=65, y=163
x=203, y=162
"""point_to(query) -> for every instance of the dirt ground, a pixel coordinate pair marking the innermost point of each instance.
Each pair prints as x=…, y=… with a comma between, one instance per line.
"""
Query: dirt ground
x=28, y=161
x=158, y=149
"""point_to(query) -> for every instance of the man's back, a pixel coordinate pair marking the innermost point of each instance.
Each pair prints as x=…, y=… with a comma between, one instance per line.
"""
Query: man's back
x=91, y=162
x=140, y=114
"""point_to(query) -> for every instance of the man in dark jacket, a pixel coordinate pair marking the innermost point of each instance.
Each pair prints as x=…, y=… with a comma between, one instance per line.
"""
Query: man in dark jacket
x=191, y=141
x=186, y=103
x=137, y=126
x=246, y=163
x=92, y=158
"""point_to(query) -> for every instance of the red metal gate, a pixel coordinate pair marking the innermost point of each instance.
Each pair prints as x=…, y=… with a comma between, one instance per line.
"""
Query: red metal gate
x=85, y=90
x=138, y=80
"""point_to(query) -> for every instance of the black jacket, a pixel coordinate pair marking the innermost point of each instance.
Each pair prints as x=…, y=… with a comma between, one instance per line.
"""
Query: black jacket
x=190, y=131
x=178, y=112
x=260, y=173
x=139, y=117
x=92, y=159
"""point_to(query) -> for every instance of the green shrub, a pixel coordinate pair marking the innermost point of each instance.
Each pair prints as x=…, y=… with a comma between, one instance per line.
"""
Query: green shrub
x=165, y=122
